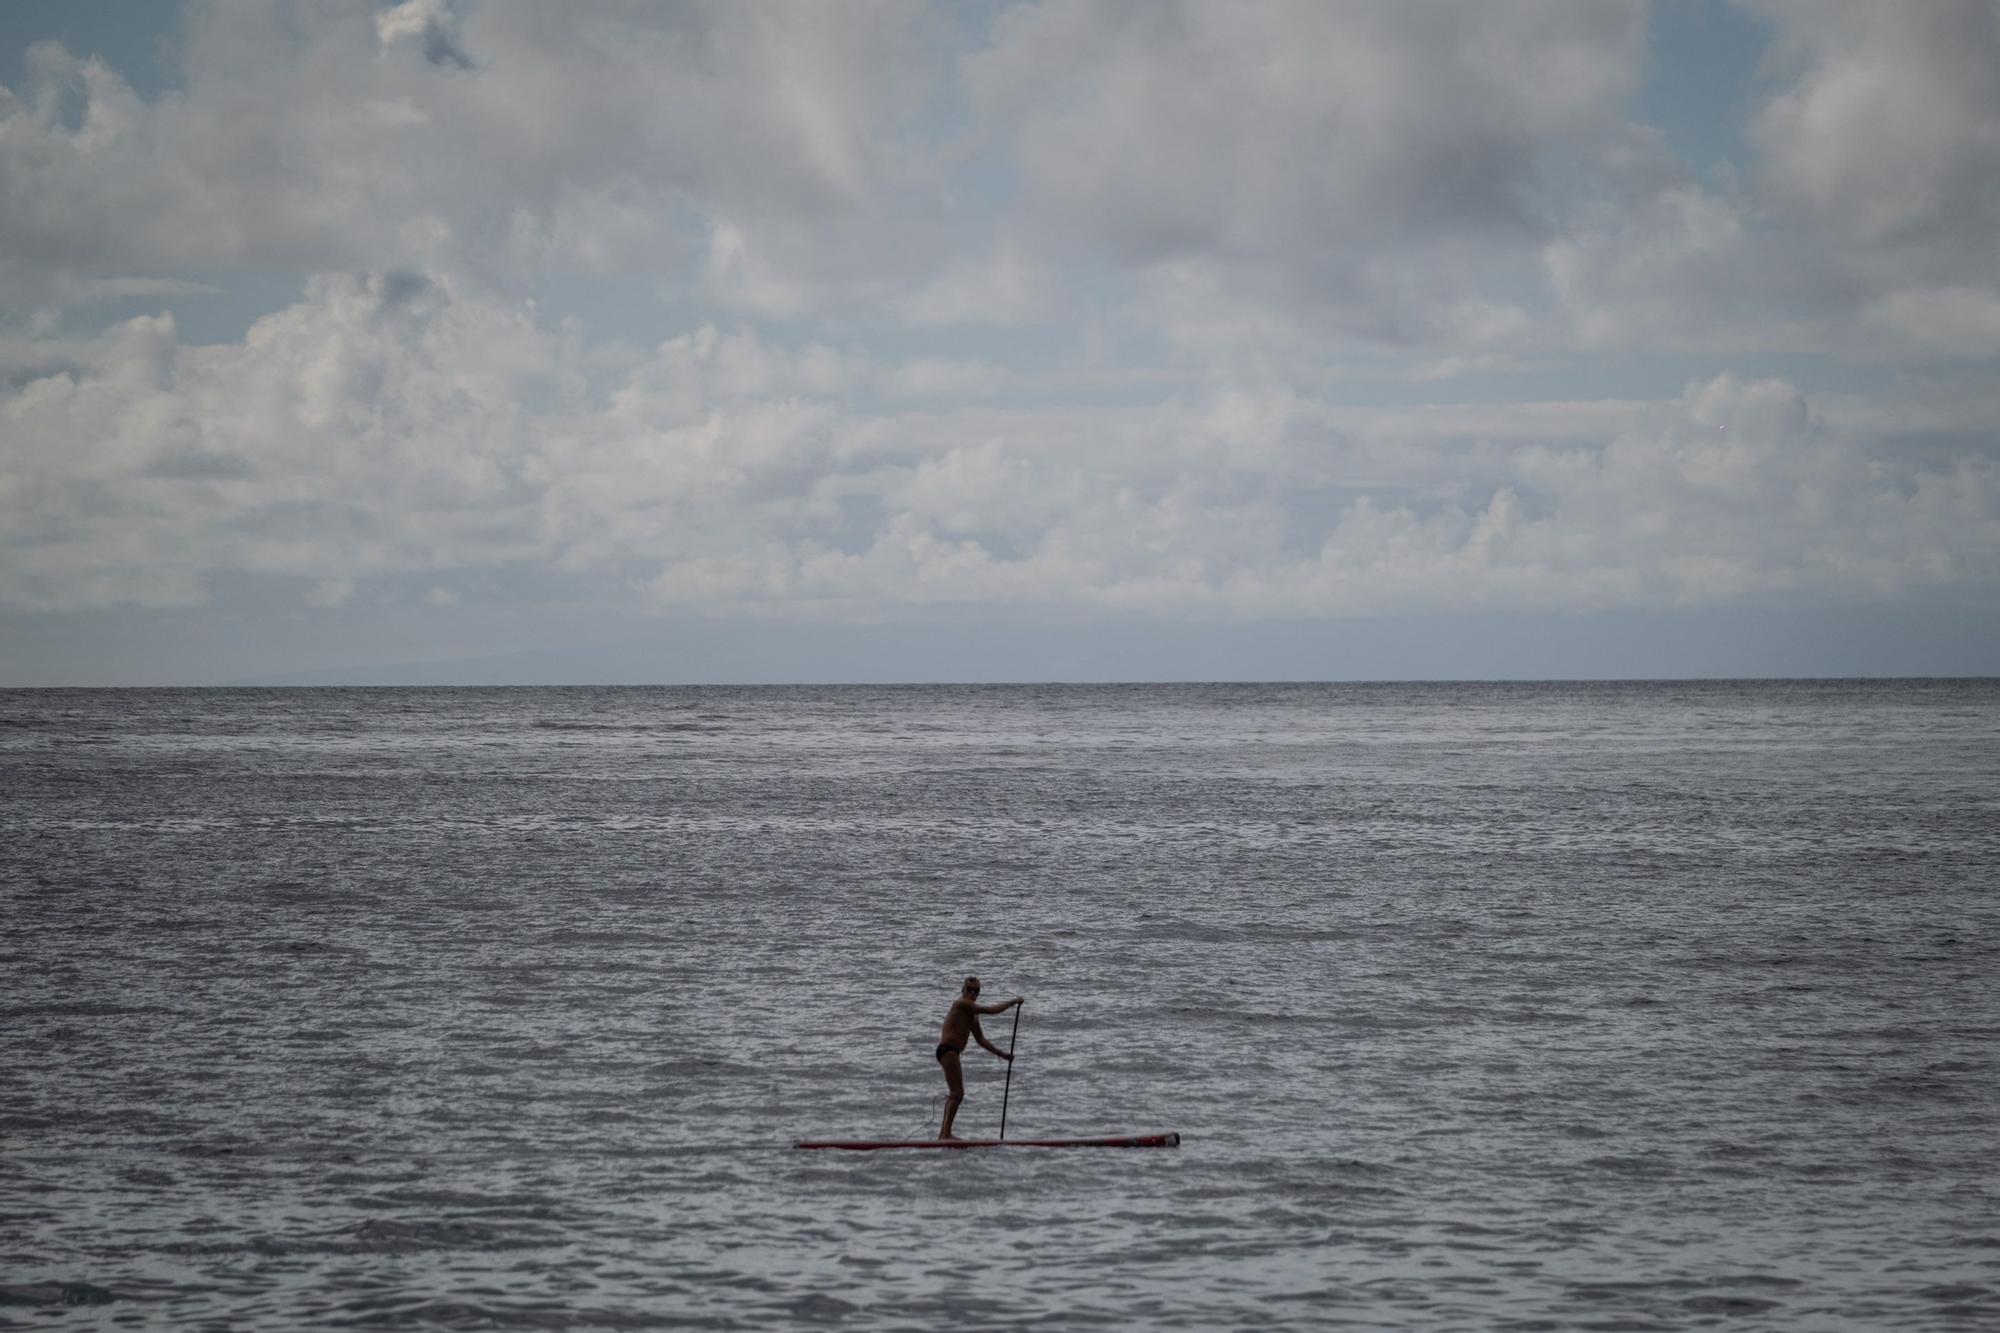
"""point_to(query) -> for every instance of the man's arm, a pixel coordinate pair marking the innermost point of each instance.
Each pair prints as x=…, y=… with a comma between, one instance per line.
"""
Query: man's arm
x=979, y=1034
x=999, y=1008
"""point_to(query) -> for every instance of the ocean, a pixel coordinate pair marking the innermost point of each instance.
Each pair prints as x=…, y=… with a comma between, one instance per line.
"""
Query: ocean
x=1477, y=1006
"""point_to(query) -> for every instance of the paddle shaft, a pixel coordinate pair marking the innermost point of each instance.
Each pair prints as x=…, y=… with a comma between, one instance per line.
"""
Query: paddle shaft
x=1012, y=1038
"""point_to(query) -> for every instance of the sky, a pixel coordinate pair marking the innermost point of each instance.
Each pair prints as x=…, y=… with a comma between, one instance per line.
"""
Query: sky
x=488, y=342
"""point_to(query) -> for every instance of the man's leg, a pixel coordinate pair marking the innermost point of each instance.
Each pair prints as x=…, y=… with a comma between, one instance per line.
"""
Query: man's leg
x=955, y=1080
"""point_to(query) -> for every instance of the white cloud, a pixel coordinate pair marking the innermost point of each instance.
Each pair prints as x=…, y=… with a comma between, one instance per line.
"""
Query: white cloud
x=369, y=429
x=427, y=25
x=328, y=594
x=944, y=377
x=1955, y=321
x=1084, y=310
x=386, y=427
x=1668, y=262
x=1001, y=287
x=1296, y=131
x=1890, y=127
x=1880, y=169
x=1357, y=167
x=122, y=289
x=302, y=139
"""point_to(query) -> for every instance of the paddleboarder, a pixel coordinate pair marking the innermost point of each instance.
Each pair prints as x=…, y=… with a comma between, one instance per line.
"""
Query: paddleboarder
x=961, y=1020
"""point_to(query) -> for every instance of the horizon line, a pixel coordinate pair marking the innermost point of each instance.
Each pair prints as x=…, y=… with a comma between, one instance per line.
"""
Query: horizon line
x=281, y=684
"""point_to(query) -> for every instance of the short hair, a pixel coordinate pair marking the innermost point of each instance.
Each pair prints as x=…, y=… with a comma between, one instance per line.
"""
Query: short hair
x=971, y=983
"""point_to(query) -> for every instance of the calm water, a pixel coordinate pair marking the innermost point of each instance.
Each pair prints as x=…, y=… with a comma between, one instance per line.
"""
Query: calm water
x=1510, y=1006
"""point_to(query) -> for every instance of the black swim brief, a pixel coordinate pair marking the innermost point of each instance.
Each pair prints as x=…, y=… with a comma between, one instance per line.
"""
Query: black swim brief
x=942, y=1048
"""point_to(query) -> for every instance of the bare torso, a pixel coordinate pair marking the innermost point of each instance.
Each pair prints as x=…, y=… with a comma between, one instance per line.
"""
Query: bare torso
x=961, y=1021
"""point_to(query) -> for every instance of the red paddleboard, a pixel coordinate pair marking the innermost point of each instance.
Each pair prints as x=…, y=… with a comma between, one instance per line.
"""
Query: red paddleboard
x=1124, y=1141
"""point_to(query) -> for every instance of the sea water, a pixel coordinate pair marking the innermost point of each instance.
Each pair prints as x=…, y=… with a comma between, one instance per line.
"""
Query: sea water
x=1604, y=1006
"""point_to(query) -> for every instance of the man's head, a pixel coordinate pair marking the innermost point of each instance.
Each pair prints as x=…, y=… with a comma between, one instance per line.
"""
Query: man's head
x=972, y=987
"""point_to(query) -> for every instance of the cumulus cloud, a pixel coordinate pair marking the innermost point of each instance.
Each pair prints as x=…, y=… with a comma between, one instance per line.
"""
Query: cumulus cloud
x=1000, y=287
x=1061, y=305
x=1954, y=321
x=301, y=138
x=1889, y=126
x=1362, y=167
x=366, y=429
x=381, y=428
x=427, y=25
x=1275, y=179
x=1296, y=131
x=1864, y=225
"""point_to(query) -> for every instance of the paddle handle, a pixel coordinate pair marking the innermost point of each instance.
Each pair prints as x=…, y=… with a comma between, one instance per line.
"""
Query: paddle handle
x=1011, y=1039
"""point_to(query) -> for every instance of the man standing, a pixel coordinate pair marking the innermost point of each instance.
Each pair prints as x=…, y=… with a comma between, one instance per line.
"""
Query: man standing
x=959, y=1021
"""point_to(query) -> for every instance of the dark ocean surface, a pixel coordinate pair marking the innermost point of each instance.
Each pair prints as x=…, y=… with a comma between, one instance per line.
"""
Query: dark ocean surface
x=1598, y=1006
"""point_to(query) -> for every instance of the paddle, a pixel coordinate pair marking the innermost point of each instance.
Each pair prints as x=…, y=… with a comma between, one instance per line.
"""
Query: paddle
x=1012, y=1038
